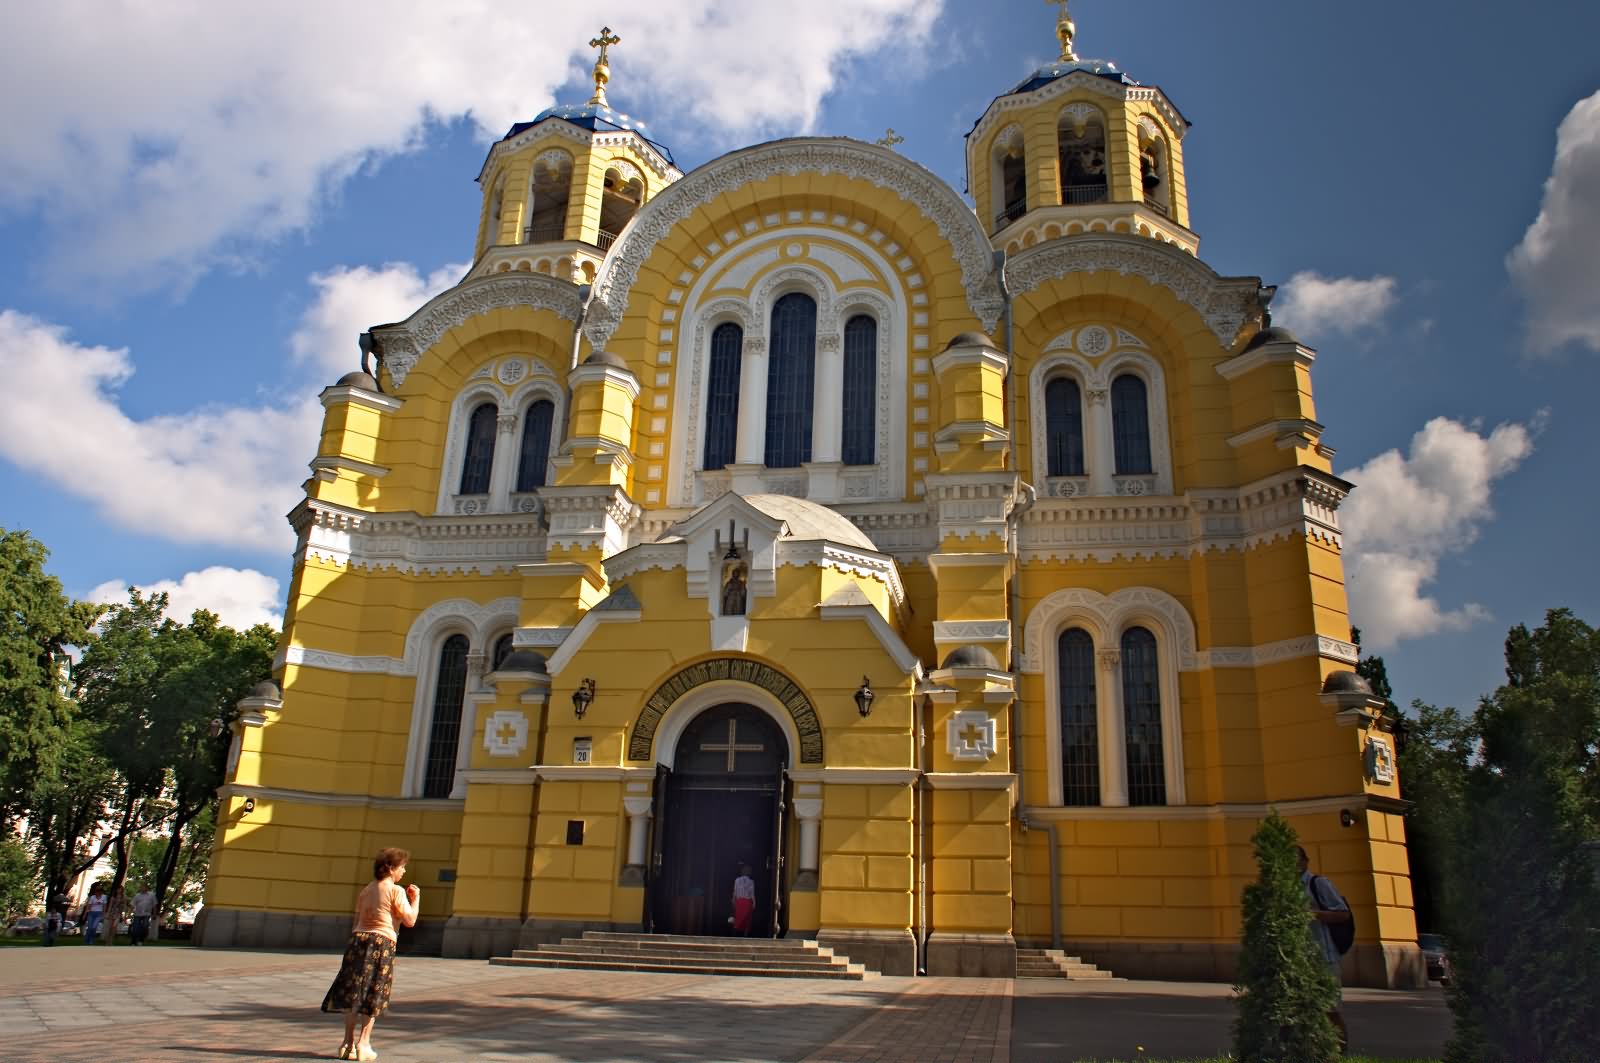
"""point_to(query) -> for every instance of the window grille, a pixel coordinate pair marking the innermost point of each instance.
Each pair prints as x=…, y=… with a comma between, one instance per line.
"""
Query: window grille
x=536, y=425
x=791, y=372
x=860, y=390
x=444, y=733
x=1080, y=730
x=1141, y=706
x=479, y=462
x=1130, y=423
x=1063, y=404
x=722, y=395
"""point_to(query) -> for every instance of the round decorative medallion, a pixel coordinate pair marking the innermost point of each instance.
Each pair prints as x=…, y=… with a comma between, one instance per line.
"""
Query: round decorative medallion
x=1094, y=341
x=512, y=370
x=794, y=250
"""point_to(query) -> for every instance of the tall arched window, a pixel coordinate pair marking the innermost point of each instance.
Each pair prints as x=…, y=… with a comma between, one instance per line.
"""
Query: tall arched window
x=444, y=732
x=1013, y=187
x=549, y=188
x=1130, y=425
x=1141, y=707
x=860, y=389
x=496, y=205
x=619, y=201
x=536, y=424
x=1083, y=160
x=1063, y=415
x=722, y=395
x=479, y=462
x=1080, y=731
x=791, y=372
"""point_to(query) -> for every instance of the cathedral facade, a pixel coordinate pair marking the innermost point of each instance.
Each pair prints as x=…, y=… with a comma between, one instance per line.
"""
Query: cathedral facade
x=968, y=572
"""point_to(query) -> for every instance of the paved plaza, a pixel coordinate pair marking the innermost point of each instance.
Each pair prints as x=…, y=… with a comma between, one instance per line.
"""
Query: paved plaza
x=177, y=1005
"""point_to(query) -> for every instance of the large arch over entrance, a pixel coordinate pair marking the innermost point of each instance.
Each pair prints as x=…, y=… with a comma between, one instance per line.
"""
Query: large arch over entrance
x=775, y=685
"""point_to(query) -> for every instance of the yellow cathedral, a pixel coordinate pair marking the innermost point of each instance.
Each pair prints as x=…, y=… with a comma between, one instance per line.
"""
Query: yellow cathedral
x=969, y=572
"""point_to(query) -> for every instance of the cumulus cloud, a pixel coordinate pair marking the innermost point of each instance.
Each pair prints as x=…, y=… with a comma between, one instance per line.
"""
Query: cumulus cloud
x=1555, y=264
x=1311, y=303
x=241, y=597
x=223, y=474
x=1412, y=510
x=183, y=140
x=351, y=299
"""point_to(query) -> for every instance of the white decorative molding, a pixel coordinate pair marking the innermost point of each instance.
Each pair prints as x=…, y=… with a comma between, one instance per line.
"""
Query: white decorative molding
x=326, y=660
x=970, y=780
x=887, y=637
x=539, y=638
x=403, y=345
x=1107, y=617
x=887, y=169
x=505, y=733
x=1072, y=82
x=1226, y=304
x=413, y=544
x=1267, y=354
x=970, y=735
x=312, y=797
x=1277, y=652
x=375, y=400
x=963, y=632
x=635, y=142
x=1229, y=810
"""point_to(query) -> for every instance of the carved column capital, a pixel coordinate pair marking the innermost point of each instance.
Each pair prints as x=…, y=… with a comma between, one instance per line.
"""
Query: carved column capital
x=507, y=423
x=1097, y=396
x=1110, y=660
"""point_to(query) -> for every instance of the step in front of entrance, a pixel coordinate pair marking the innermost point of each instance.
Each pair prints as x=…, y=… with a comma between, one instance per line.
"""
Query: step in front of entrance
x=1053, y=963
x=668, y=953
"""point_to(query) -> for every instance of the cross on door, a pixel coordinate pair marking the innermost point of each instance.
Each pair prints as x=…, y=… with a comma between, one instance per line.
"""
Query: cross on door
x=732, y=747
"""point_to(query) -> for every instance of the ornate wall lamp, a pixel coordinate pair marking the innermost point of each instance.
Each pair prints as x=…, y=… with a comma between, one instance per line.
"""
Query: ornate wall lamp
x=249, y=805
x=864, y=696
x=582, y=697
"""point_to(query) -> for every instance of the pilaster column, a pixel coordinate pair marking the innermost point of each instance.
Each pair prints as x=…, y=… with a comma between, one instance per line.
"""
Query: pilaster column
x=638, y=809
x=1100, y=450
x=504, y=470
x=808, y=811
x=1113, y=737
x=827, y=406
x=751, y=447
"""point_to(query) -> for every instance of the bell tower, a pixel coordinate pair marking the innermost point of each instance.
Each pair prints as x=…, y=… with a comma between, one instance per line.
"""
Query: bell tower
x=1077, y=147
x=557, y=191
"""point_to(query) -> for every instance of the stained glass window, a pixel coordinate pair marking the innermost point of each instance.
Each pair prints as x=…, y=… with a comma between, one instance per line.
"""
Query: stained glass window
x=479, y=460
x=449, y=690
x=722, y=395
x=791, y=374
x=1141, y=707
x=536, y=426
x=860, y=390
x=1080, y=730
x=1130, y=425
x=1063, y=405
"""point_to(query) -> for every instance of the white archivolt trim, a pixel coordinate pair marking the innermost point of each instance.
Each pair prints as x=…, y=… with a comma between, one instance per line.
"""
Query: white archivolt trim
x=402, y=345
x=887, y=169
x=1226, y=304
x=722, y=692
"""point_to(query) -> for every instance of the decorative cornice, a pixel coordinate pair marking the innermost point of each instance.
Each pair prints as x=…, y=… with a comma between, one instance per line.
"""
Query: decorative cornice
x=970, y=780
x=403, y=344
x=962, y=632
x=1291, y=428
x=311, y=797
x=1239, y=810
x=1078, y=79
x=576, y=134
x=1267, y=354
x=1226, y=304
x=359, y=397
x=887, y=169
x=407, y=542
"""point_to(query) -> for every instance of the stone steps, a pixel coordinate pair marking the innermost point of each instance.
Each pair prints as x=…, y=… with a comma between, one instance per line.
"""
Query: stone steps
x=670, y=953
x=1054, y=963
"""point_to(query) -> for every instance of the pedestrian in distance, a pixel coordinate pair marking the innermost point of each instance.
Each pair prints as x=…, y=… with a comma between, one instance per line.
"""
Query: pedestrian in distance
x=144, y=908
x=366, y=976
x=1333, y=928
x=52, y=923
x=94, y=911
x=744, y=901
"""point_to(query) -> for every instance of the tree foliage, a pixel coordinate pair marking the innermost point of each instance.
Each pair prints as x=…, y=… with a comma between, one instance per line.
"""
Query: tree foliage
x=19, y=880
x=1285, y=991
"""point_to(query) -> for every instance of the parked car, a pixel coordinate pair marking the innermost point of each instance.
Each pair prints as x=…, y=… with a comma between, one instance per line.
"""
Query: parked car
x=28, y=924
x=1436, y=953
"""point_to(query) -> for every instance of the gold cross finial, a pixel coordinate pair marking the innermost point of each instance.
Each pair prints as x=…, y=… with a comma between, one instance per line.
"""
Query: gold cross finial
x=1066, y=30
x=889, y=139
x=602, y=71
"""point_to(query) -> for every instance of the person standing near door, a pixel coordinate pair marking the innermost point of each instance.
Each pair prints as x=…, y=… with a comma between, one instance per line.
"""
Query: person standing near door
x=744, y=901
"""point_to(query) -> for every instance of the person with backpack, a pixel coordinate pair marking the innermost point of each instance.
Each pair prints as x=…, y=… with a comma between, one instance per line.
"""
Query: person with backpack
x=1333, y=927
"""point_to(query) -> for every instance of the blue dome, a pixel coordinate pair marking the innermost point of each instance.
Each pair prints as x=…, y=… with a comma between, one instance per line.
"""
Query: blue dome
x=1052, y=71
x=595, y=116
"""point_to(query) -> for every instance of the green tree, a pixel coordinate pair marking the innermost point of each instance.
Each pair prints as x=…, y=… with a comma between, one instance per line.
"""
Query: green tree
x=1523, y=908
x=1439, y=747
x=38, y=624
x=1285, y=991
x=19, y=880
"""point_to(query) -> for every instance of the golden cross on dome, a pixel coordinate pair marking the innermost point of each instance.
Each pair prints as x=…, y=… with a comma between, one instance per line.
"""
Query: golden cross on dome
x=890, y=139
x=1066, y=30
x=602, y=71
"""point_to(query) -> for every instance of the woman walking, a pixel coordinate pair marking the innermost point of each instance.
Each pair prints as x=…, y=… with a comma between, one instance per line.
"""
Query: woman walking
x=94, y=910
x=365, y=978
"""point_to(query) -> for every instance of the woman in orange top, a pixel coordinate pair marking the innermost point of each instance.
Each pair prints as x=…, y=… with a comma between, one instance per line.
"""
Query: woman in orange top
x=365, y=978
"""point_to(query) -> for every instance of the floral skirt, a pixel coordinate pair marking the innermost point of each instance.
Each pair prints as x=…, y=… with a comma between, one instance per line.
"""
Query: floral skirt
x=365, y=978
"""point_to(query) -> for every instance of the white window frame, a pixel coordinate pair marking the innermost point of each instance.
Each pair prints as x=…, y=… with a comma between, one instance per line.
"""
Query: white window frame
x=538, y=382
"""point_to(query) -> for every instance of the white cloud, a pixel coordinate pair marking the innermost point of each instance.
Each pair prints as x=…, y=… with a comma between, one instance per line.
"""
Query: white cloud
x=241, y=597
x=1311, y=303
x=1555, y=264
x=224, y=475
x=351, y=299
x=1410, y=511
x=184, y=137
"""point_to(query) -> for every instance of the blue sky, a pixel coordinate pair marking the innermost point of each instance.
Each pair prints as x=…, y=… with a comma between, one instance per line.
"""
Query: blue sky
x=198, y=215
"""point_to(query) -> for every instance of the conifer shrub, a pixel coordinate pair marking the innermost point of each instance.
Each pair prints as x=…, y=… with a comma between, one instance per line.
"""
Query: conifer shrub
x=1284, y=990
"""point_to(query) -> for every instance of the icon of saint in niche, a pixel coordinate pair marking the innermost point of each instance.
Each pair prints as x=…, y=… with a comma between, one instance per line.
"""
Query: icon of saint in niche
x=733, y=592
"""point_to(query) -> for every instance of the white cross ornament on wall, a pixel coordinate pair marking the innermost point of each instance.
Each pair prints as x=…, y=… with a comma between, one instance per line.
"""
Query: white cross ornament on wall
x=970, y=735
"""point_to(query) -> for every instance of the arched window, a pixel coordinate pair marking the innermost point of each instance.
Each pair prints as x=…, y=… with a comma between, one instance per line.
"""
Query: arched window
x=496, y=203
x=1080, y=731
x=1063, y=406
x=548, y=191
x=1083, y=159
x=619, y=201
x=1153, y=176
x=1130, y=425
x=479, y=462
x=1013, y=187
x=722, y=395
x=536, y=424
x=791, y=372
x=860, y=389
x=1141, y=708
x=502, y=649
x=444, y=733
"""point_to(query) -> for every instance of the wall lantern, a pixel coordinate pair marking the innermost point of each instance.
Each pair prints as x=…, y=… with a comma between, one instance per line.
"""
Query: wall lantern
x=216, y=727
x=582, y=697
x=249, y=805
x=864, y=696
x=1347, y=818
